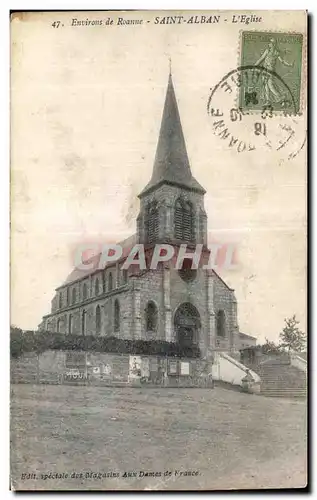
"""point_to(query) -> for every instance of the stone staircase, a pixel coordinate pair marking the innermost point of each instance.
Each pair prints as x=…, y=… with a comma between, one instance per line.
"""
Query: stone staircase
x=280, y=379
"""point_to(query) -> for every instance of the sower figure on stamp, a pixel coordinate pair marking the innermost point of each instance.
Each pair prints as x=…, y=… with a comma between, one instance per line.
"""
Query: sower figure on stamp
x=270, y=91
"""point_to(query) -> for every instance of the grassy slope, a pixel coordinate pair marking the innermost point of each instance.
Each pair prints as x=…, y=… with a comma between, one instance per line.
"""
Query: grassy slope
x=235, y=440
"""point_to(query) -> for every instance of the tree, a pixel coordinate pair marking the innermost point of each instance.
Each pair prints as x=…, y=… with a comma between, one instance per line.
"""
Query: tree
x=16, y=341
x=270, y=347
x=291, y=337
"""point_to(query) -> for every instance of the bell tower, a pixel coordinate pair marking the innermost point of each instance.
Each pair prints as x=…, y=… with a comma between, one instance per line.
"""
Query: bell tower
x=172, y=203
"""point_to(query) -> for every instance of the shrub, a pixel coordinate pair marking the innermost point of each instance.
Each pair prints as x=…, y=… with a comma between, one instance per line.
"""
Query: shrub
x=16, y=341
x=38, y=342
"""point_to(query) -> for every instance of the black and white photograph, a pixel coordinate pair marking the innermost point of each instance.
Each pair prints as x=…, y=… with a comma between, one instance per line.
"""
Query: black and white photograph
x=158, y=329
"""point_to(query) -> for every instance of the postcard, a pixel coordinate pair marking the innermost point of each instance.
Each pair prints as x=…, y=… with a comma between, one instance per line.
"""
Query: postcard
x=158, y=250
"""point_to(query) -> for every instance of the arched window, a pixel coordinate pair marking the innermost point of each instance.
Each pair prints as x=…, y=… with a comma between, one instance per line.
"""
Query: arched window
x=110, y=282
x=151, y=222
x=124, y=276
x=97, y=286
x=70, y=324
x=59, y=324
x=184, y=220
x=85, y=291
x=221, y=323
x=151, y=317
x=98, y=319
x=74, y=296
x=116, y=316
x=83, y=322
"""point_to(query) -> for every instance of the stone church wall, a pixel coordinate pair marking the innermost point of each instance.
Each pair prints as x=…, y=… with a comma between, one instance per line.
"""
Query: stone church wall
x=134, y=297
x=194, y=292
x=224, y=300
x=106, y=305
x=151, y=289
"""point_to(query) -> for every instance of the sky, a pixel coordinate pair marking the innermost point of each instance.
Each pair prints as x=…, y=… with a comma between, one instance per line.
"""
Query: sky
x=86, y=106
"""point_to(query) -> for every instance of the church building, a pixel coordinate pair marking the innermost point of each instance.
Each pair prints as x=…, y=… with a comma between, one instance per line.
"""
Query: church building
x=186, y=305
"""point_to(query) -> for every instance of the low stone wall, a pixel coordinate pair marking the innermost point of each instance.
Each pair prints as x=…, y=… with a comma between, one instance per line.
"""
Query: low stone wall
x=227, y=369
x=25, y=369
x=92, y=368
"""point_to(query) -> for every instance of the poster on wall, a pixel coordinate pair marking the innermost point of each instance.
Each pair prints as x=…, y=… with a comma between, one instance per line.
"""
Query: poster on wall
x=172, y=368
x=184, y=368
x=145, y=367
x=107, y=370
x=135, y=367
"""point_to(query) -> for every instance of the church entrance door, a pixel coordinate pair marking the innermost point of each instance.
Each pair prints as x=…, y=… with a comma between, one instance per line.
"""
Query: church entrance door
x=187, y=324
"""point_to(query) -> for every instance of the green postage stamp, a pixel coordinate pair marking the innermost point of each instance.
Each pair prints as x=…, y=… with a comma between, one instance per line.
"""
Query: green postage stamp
x=273, y=79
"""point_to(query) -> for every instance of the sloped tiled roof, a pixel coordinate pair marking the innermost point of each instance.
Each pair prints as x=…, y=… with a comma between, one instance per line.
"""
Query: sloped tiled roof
x=78, y=274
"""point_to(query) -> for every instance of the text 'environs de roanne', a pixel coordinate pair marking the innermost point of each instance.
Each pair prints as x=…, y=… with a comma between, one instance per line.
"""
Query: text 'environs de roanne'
x=163, y=20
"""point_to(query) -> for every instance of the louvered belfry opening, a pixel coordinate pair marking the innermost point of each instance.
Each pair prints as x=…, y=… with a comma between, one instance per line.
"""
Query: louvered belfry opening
x=152, y=222
x=184, y=228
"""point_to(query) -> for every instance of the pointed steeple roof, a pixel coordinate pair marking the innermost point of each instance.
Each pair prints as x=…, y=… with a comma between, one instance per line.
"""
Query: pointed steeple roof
x=171, y=164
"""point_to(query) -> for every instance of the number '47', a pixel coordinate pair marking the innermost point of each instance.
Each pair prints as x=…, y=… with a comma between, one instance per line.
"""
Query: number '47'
x=56, y=24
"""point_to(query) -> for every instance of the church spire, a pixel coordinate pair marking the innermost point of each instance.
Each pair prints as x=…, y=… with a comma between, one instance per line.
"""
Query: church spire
x=171, y=164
